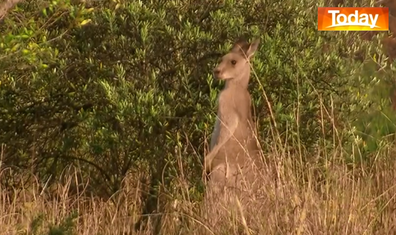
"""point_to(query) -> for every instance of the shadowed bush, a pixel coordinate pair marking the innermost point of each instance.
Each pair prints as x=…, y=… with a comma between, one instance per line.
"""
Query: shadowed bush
x=118, y=87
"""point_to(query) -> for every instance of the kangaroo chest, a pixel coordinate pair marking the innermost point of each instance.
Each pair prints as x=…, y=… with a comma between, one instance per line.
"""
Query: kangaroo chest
x=235, y=103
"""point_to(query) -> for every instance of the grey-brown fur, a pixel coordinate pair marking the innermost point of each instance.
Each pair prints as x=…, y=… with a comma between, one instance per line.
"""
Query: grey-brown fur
x=233, y=141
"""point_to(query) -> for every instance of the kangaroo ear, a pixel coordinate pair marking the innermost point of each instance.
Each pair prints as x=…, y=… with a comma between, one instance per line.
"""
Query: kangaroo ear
x=252, y=48
x=240, y=46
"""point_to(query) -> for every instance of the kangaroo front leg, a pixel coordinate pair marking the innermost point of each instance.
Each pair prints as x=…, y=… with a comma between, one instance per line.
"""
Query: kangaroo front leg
x=227, y=130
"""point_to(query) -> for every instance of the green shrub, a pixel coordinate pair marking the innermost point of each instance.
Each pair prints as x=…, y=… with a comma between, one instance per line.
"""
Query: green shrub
x=115, y=86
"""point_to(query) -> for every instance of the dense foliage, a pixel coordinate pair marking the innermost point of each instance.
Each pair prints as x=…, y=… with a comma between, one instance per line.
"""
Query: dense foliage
x=120, y=86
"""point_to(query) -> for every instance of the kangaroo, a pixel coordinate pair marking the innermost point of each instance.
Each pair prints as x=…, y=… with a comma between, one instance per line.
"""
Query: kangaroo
x=233, y=140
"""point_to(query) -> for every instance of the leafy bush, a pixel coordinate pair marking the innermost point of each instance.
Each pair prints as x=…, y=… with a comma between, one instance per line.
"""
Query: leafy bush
x=117, y=86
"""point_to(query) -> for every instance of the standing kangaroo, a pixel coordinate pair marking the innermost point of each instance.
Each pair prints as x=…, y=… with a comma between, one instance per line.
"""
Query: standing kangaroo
x=233, y=141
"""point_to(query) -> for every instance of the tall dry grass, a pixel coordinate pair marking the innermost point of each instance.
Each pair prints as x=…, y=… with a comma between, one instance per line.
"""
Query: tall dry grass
x=345, y=201
x=295, y=198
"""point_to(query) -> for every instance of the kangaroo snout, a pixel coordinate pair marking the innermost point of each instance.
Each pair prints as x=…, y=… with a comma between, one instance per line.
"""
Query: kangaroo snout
x=220, y=73
x=216, y=72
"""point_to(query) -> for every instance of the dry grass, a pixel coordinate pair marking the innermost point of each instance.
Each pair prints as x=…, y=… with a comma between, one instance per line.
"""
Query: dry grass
x=293, y=200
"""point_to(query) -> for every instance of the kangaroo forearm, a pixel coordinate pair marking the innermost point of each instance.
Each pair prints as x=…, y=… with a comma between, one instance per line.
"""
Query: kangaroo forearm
x=215, y=135
x=226, y=132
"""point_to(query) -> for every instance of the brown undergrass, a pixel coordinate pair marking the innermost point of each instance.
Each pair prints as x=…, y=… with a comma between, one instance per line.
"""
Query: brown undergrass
x=305, y=199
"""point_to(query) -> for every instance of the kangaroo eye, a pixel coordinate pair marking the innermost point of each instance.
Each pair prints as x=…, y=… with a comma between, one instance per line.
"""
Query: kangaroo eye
x=233, y=62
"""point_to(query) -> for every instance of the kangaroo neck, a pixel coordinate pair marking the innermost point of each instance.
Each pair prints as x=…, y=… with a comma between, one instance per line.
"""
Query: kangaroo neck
x=240, y=83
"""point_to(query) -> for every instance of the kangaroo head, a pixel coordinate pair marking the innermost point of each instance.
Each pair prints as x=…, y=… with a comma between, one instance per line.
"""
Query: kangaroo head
x=235, y=64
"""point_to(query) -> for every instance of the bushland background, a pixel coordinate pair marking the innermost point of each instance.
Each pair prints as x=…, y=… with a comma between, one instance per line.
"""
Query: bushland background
x=107, y=107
